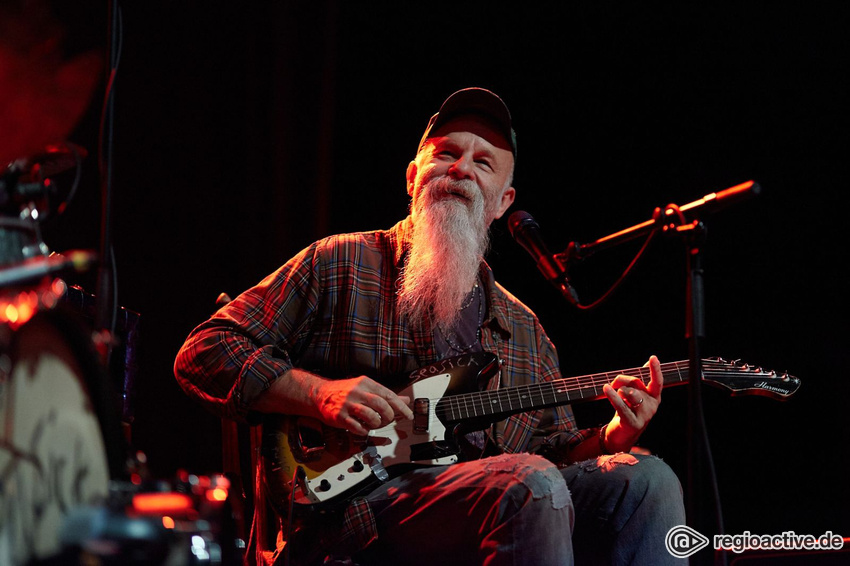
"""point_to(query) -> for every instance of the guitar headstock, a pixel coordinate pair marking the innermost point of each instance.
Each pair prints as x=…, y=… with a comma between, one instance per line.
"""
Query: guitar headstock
x=743, y=379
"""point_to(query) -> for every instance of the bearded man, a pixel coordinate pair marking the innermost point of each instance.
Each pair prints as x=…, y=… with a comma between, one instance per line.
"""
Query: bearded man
x=324, y=335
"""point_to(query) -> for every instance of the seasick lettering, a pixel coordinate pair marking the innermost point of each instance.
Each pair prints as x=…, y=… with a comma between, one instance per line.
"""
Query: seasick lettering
x=444, y=366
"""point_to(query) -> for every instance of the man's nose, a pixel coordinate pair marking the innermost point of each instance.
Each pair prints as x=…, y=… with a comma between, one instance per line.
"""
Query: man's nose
x=461, y=168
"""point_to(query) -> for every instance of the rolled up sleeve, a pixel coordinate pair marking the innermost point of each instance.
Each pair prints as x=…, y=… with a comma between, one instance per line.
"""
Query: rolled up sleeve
x=227, y=362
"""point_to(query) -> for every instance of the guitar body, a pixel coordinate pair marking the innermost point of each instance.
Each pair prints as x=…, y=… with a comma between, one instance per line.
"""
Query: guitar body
x=337, y=464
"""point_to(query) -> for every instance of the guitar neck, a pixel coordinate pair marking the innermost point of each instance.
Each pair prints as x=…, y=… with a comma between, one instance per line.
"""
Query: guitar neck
x=512, y=400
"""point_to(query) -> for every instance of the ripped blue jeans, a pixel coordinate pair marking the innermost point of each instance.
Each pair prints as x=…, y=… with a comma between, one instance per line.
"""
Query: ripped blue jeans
x=519, y=509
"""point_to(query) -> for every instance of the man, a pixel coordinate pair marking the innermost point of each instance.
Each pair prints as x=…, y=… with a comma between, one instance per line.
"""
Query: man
x=318, y=336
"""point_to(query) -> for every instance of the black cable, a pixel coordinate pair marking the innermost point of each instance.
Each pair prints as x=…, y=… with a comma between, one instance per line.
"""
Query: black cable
x=107, y=312
x=298, y=476
x=114, y=291
x=78, y=175
x=622, y=276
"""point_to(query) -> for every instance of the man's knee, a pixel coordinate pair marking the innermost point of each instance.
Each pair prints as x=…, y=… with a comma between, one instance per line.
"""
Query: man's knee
x=528, y=480
x=645, y=472
x=535, y=511
x=653, y=478
x=627, y=481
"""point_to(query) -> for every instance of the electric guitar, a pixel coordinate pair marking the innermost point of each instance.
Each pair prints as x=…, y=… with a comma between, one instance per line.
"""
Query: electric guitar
x=333, y=465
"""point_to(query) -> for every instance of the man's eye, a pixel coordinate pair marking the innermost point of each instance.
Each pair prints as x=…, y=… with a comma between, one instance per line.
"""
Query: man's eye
x=484, y=162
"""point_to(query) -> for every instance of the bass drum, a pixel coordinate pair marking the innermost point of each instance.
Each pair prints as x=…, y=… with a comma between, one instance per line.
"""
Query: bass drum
x=54, y=455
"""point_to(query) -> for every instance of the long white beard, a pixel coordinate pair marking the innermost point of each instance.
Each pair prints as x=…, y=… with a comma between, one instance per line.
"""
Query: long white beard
x=449, y=240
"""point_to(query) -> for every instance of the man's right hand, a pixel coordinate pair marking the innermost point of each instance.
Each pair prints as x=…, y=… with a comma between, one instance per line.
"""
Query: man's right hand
x=358, y=404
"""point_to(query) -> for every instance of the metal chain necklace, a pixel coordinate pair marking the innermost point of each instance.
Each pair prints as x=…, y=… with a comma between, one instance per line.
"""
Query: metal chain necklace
x=475, y=294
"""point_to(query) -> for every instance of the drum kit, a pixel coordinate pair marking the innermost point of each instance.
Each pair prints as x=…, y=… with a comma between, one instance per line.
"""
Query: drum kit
x=72, y=491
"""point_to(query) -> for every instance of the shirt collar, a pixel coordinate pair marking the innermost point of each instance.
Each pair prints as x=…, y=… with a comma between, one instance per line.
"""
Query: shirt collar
x=497, y=301
x=400, y=235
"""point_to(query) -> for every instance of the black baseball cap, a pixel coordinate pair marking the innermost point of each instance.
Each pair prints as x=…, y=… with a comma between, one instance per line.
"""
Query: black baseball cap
x=474, y=100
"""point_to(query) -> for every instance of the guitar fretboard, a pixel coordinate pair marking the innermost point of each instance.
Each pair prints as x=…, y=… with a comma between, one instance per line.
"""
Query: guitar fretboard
x=512, y=400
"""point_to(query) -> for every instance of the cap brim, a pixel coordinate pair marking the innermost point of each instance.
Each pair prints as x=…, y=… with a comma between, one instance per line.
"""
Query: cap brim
x=478, y=101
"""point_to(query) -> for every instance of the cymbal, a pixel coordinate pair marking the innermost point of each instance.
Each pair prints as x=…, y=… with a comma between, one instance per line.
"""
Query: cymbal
x=43, y=94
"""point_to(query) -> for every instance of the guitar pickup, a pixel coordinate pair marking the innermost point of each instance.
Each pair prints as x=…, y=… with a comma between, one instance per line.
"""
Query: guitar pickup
x=421, y=409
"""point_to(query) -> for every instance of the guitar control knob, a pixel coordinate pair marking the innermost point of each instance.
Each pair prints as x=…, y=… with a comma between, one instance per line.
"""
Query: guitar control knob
x=324, y=485
x=357, y=466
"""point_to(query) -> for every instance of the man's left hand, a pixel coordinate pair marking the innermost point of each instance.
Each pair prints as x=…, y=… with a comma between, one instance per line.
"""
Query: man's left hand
x=635, y=404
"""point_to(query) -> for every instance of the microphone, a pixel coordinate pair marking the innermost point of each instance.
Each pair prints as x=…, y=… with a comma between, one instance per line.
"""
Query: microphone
x=526, y=232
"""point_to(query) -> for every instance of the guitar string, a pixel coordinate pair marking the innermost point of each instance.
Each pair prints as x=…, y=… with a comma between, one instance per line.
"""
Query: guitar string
x=593, y=381
x=474, y=401
x=433, y=411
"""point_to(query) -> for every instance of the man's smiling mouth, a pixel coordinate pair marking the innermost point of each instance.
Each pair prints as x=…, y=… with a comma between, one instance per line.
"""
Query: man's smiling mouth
x=458, y=194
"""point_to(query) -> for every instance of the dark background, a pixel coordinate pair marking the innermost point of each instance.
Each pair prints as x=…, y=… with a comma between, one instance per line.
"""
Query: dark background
x=244, y=133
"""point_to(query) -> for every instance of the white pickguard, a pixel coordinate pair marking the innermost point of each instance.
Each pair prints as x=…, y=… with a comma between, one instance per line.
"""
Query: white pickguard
x=384, y=447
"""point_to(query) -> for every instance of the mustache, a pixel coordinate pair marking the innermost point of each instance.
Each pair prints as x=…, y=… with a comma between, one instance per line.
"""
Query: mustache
x=444, y=187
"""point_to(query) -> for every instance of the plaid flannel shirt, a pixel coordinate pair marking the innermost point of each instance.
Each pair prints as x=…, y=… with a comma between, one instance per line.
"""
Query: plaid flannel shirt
x=332, y=310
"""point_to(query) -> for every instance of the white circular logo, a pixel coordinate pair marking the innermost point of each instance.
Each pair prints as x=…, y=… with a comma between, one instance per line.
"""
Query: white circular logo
x=682, y=541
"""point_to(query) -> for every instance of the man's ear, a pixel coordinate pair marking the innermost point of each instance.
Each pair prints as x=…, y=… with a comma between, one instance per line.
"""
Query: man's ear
x=411, y=177
x=507, y=200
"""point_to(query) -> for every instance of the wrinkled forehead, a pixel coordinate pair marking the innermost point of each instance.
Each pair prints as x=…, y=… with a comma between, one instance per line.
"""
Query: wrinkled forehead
x=477, y=125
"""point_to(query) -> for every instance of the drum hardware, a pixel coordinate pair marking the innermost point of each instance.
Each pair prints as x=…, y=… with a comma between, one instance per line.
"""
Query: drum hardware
x=184, y=522
x=58, y=437
x=37, y=268
x=124, y=342
x=55, y=403
x=26, y=187
x=28, y=196
x=132, y=519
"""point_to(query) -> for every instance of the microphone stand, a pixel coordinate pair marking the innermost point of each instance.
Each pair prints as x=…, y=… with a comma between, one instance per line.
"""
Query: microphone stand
x=693, y=235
